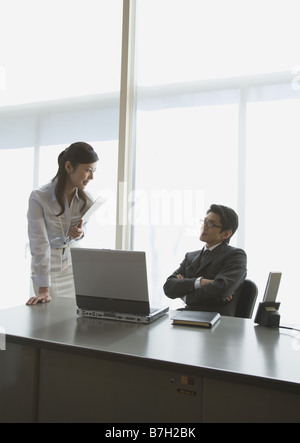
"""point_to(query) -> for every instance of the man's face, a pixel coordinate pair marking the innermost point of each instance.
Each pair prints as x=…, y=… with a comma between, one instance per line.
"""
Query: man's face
x=212, y=231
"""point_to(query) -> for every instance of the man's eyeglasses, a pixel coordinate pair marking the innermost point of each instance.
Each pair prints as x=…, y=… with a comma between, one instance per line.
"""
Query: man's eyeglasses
x=210, y=224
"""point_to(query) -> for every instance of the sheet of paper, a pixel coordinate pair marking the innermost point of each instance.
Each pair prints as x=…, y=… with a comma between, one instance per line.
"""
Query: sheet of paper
x=95, y=206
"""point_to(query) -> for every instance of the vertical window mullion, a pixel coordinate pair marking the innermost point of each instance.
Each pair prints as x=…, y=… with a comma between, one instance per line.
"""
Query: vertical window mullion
x=242, y=127
x=36, y=159
x=126, y=136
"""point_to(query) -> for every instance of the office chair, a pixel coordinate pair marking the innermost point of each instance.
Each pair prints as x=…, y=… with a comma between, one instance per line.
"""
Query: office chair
x=246, y=300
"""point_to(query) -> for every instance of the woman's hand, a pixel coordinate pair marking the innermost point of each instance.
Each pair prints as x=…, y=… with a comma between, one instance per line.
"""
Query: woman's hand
x=43, y=297
x=76, y=231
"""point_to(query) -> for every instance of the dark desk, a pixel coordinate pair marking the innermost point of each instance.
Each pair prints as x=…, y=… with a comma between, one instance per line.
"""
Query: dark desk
x=61, y=368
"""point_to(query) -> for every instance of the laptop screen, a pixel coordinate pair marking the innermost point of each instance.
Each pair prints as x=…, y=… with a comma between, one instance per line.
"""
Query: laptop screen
x=111, y=280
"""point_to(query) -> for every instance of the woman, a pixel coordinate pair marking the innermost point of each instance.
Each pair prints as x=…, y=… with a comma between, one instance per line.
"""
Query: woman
x=54, y=222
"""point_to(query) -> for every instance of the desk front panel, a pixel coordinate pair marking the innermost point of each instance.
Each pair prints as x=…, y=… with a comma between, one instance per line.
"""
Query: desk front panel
x=81, y=388
x=97, y=370
x=228, y=402
x=19, y=368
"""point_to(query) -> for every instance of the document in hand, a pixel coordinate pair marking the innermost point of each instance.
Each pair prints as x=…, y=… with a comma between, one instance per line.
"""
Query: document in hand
x=196, y=318
x=96, y=205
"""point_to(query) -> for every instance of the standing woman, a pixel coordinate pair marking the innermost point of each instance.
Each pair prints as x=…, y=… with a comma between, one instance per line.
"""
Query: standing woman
x=54, y=222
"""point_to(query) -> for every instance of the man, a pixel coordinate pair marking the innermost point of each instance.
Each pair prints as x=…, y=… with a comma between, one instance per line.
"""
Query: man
x=211, y=281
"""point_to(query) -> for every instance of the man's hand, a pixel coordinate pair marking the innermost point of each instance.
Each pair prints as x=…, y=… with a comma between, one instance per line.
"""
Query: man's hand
x=205, y=281
x=229, y=298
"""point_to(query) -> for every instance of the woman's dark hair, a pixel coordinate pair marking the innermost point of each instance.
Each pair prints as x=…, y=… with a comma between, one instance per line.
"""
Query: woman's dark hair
x=76, y=153
x=229, y=218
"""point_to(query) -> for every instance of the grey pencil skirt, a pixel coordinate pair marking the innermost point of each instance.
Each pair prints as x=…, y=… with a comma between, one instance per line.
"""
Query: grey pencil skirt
x=62, y=282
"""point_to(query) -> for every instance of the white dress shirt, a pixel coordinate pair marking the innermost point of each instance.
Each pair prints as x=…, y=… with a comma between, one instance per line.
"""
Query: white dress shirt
x=46, y=231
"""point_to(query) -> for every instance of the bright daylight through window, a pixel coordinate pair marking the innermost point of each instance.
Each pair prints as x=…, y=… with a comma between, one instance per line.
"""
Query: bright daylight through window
x=218, y=96
x=215, y=120
x=60, y=83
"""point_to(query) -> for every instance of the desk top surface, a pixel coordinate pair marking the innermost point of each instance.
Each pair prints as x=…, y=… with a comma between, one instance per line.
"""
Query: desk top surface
x=233, y=345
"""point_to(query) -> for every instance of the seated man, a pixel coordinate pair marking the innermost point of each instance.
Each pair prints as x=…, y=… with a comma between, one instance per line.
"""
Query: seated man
x=211, y=281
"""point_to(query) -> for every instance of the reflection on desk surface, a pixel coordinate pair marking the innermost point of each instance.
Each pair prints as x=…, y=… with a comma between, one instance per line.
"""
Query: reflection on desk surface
x=235, y=345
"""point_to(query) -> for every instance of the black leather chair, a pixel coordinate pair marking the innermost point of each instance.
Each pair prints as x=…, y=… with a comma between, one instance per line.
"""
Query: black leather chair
x=246, y=300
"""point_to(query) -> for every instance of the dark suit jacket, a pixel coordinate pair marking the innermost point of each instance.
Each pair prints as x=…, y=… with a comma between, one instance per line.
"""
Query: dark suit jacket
x=225, y=264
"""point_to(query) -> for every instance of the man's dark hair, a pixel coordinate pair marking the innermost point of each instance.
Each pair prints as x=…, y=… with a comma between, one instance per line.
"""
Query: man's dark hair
x=229, y=218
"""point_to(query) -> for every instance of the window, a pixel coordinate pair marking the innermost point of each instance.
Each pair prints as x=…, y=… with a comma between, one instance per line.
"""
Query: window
x=272, y=210
x=16, y=173
x=58, y=49
x=200, y=40
x=215, y=121
x=59, y=83
x=217, y=110
x=174, y=184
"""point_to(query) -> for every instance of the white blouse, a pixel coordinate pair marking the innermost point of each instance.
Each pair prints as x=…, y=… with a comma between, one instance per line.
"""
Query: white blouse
x=46, y=231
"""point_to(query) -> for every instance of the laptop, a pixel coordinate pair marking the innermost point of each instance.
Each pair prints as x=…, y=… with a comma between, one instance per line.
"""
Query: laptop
x=272, y=287
x=112, y=284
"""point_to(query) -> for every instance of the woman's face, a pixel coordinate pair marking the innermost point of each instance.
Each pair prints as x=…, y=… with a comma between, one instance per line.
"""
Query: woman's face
x=80, y=176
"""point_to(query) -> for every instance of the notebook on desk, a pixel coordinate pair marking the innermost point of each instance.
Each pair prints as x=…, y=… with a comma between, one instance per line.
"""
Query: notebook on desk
x=196, y=318
x=112, y=284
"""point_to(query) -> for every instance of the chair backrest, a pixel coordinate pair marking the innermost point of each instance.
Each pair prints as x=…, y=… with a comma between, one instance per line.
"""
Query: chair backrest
x=247, y=299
